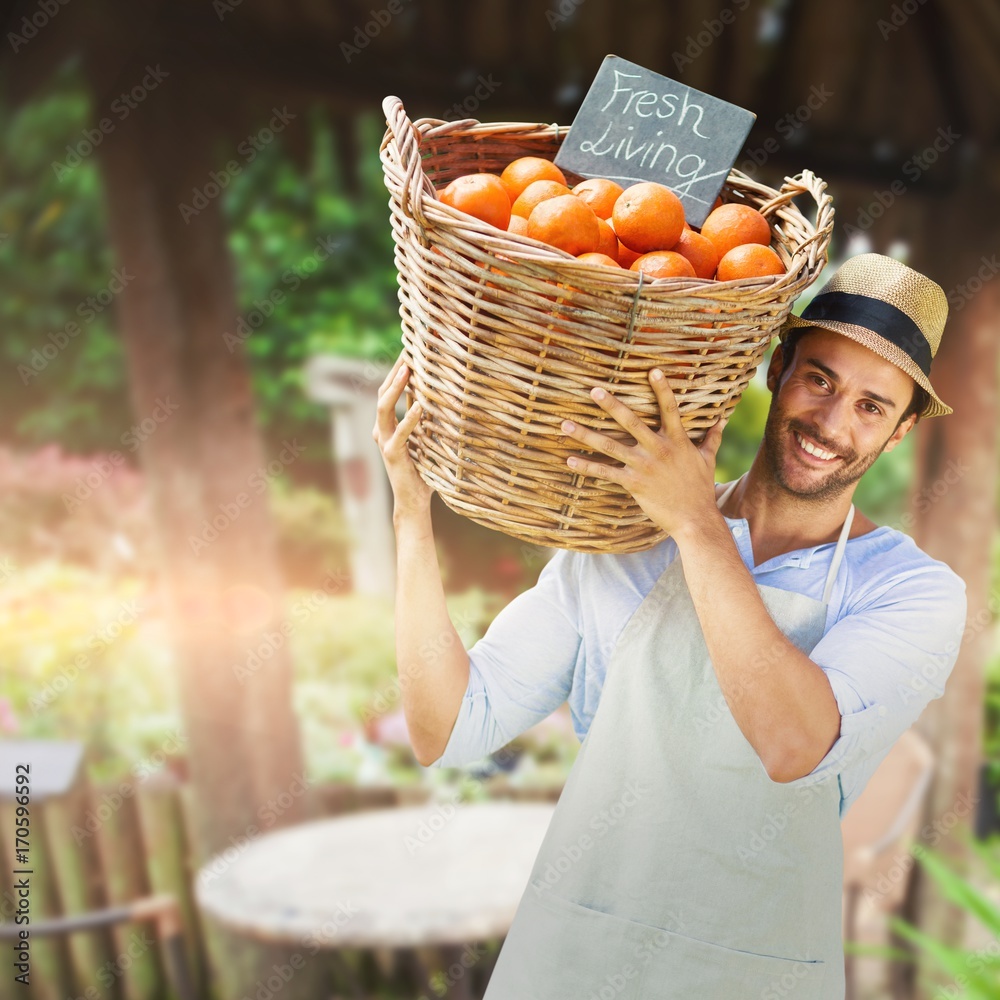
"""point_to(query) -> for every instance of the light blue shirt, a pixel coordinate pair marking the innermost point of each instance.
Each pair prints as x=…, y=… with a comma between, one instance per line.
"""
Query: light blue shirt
x=894, y=627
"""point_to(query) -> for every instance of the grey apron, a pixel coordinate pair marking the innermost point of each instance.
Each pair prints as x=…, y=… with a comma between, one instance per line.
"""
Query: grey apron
x=674, y=867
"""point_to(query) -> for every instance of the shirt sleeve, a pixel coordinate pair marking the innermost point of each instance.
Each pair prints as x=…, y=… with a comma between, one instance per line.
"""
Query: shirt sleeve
x=886, y=661
x=521, y=670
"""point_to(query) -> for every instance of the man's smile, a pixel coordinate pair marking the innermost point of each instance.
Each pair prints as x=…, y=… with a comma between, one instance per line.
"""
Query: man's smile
x=813, y=450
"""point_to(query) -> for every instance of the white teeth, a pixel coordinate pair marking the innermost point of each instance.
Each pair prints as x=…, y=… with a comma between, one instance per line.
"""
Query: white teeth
x=813, y=450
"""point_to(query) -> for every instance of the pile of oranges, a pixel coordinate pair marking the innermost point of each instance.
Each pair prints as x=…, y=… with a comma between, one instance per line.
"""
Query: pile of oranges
x=641, y=227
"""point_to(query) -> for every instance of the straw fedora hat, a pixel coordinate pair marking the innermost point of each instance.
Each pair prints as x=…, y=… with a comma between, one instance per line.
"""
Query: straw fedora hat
x=887, y=307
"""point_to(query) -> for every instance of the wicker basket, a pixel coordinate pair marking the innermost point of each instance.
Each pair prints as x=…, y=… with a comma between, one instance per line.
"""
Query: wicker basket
x=505, y=337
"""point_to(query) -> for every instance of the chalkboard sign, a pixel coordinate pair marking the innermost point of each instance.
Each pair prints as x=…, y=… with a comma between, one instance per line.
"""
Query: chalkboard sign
x=636, y=125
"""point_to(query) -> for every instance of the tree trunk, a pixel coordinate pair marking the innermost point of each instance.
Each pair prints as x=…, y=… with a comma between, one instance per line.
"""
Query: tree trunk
x=220, y=571
x=955, y=497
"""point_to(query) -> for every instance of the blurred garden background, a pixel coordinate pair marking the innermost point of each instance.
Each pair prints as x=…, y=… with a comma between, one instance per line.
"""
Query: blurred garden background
x=194, y=248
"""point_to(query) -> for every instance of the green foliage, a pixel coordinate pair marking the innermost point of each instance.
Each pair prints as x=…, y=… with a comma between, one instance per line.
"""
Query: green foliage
x=54, y=255
x=320, y=260
x=974, y=974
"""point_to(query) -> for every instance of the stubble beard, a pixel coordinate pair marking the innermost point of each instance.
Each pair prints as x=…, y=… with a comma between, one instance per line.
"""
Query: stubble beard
x=849, y=468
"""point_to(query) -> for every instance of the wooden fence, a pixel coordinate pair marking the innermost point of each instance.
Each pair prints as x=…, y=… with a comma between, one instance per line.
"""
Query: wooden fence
x=101, y=846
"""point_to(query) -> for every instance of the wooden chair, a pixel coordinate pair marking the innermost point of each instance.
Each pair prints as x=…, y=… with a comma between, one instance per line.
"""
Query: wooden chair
x=878, y=831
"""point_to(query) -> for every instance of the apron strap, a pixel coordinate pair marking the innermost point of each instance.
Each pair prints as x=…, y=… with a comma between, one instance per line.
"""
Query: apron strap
x=727, y=491
x=838, y=552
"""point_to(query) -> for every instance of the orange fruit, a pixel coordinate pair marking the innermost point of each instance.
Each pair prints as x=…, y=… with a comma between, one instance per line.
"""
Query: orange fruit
x=648, y=216
x=566, y=222
x=518, y=224
x=750, y=260
x=599, y=258
x=609, y=242
x=534, y=194
x=482, y=196
x=519, y=173
x=626, y=257
x=731, y=226
x=664, y=264
x=600, y=194
x=700, y=251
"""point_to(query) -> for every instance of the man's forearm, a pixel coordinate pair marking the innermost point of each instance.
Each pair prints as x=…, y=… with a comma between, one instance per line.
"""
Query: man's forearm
x=780, y=699
x=431, y=660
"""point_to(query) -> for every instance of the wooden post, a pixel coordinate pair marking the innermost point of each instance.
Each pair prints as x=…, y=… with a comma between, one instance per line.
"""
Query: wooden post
x=167, y=862
x=50, y=963
x=78, y=868
x=136, y=961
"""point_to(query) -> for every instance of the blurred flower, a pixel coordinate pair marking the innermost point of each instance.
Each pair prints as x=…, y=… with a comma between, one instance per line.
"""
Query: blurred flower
x=8, y=721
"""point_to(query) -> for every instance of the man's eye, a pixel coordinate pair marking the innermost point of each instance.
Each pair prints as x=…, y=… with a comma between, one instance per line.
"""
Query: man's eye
x=872, y=408
x=819, y=380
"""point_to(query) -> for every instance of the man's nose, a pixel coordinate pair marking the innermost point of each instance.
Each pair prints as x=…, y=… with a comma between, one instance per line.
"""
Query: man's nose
x=830, y=416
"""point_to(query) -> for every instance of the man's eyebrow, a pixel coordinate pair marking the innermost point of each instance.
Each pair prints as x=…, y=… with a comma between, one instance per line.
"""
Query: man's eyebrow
x=834, y=377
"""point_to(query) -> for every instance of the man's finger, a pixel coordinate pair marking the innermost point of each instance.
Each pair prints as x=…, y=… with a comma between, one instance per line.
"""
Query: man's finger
x=713, y=439
x=625, y=417
x=403, y=428
x=392, y=374
x=670, y=415
x=386, y=409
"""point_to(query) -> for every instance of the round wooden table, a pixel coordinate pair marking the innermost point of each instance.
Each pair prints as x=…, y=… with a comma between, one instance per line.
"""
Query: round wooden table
x=442, y=874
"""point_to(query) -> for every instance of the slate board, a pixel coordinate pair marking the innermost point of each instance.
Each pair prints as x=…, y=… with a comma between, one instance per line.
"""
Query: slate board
x=636, y=125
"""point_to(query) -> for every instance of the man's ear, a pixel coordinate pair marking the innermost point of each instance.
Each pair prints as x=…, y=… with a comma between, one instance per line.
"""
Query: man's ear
x=775, y=367
x=901, y=431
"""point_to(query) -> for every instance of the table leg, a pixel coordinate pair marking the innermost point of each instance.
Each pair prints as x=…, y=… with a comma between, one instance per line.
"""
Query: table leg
x=347, y=973
x=461, y=981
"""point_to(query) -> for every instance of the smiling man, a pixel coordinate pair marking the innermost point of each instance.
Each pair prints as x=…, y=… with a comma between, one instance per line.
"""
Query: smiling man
x=743, y=678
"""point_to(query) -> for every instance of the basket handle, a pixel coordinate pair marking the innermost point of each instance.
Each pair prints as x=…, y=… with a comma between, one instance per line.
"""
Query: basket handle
x=402, y=134
x=806, y=182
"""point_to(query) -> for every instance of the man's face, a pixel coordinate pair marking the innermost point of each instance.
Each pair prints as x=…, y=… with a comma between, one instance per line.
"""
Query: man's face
x=833, y=412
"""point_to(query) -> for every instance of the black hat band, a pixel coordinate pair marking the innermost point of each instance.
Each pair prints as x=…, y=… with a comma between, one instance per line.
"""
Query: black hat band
x=880, y=317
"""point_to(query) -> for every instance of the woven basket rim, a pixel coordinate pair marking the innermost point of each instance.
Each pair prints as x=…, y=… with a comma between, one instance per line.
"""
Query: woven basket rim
x=524, y=249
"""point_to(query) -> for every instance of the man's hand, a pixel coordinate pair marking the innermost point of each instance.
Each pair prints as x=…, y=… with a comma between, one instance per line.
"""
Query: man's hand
x=671, y=478
x=411, y=495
